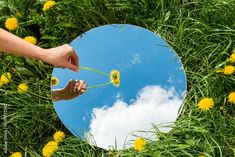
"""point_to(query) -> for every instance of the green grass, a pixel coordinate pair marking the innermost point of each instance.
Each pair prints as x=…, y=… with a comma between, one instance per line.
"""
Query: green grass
x=202, y=32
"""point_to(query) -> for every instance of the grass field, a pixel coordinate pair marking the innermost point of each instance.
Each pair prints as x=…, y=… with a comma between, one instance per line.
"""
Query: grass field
x=202, y=32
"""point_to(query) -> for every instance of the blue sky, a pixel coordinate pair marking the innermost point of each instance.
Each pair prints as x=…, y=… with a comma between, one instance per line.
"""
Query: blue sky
x=135, y=52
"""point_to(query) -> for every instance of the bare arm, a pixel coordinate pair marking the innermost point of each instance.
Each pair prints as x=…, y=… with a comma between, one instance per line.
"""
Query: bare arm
x=60, y=56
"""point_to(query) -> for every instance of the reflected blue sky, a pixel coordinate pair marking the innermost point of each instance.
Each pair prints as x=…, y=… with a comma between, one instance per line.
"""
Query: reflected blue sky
x=142, y=58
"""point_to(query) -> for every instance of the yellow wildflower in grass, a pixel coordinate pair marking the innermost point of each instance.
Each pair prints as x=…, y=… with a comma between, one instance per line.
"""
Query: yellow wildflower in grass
x=16, y=154
x=31, y=40
x=201, y=156
x=6, y=78
x=115, y=78
x=22, y=88
x=48, y=4
x=139, y=144
x=49, y=149
x=205, y=104
x=54, y=81
x=231, y=97
x=11, y=23
x=228, y=70
x=58, y=136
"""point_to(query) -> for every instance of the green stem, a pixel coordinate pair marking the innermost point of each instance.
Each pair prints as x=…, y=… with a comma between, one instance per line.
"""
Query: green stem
x=99, y=85
x=94, y=70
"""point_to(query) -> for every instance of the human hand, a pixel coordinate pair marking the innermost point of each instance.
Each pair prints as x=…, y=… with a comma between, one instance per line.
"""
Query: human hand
x=63, y=56
x=73, y=89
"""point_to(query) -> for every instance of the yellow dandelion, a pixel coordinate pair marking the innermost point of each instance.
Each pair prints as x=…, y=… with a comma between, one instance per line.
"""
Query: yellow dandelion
x=22, y=88
x=205, y=104
x=16, y=154
x=139, y=144
x=231, y=97
x=58, y=136
x=31, y=40
x=228, y=70
x=54, y=81
x=49, y=149
x=201, y=156
x=6, y=78
x=11, y=23
x=47, y=5
x=115, y=77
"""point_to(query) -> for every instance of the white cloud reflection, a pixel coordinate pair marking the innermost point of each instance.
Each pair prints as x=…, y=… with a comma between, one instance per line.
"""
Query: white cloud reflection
x=154, y=104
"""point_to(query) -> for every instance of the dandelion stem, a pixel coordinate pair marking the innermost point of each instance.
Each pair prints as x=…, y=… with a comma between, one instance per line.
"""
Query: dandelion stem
x=94, y=70
x=99, y=85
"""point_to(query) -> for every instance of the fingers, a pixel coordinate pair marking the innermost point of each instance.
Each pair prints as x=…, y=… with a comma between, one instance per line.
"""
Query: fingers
x=83, y=88
x=80, y=86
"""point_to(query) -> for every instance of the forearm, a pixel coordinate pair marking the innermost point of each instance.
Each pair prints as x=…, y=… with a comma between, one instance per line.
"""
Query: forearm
x=17, y=46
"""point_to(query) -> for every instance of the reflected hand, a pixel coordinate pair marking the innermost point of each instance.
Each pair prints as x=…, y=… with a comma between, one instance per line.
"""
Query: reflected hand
x=73, y=89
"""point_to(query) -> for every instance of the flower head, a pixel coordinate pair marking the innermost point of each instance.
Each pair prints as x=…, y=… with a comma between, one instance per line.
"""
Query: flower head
x=22, y=88
x=139, y=143
x=49, y=149
x=31, y=40
x=231, y=97
x=6, y=78
x=58, y=136
x=47, y=5
x=115, y=78
x=16, y=154
x=228, y=70
x=54, y=81
x=201, y=156
x=205, y=104
x=11, y=23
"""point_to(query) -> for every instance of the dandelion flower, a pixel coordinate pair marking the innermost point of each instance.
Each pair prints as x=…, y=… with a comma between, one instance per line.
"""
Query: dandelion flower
x=6, y=78
x=16, y=154
x=201, y=156
x=47, y=5
x=49, y=149
x=231, y=97
x=22, y=88
x=228, y=70
x=139, y=143
x=11, y=23
x=205, y=104
x=115, y=78
x=232, y=57
x=54, y=81
x=31, y=40
x=58, y=136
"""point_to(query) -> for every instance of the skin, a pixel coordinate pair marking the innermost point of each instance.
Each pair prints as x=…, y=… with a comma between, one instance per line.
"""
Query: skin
x=73, y=89
x=63, y=56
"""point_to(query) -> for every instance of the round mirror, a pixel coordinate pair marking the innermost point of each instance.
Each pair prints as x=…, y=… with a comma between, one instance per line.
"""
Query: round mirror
x=135, y=83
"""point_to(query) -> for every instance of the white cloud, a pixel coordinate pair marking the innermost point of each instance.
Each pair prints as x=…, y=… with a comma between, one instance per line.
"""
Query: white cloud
x=153, y=105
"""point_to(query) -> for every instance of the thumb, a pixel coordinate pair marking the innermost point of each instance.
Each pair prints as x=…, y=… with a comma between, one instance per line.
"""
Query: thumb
x=72, y=67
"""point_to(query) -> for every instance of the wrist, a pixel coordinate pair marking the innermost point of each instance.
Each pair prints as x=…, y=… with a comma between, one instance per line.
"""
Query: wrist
x=42, y=54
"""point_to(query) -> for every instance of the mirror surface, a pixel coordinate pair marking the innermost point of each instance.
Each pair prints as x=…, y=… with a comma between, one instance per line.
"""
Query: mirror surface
x=151, y=92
